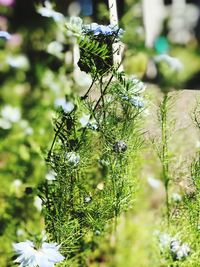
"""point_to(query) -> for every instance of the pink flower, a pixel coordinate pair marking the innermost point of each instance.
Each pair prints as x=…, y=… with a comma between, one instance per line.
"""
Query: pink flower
x=3, y=23
x=7, y=2
x=15, y=40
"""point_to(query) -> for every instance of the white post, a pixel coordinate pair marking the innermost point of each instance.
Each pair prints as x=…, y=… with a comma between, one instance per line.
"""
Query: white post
x=117, y=57
x=113, y=12
x=179, y=32
x=154, y=13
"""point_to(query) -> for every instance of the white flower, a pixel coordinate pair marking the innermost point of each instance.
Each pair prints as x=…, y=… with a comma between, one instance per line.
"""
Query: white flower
x=16, y=187
x=20, y=232
x=10, y=114
x=76, y=22
x=139, y=86
x=28, y=131
x=18, y=61
x=38, y=203
x=4, y=124
x=84, y=120
x=179, y=254
x=97, y=232
x=51, y=175
x=55, y=48
x=29, y=256
x=175, y=245
x=81, y=78
x=73, y=158
x=176, y=197
x=17, y=183
x=154, y=183
x=25, y=126
x=88, y=199
x=47, y=11
x=75, y=25
x=179, y=251
x=185, y=249
x=135, y=87
x=49, y=79
x=164, y=240
x=44, y=235
x=66, y=105
x=174, y=63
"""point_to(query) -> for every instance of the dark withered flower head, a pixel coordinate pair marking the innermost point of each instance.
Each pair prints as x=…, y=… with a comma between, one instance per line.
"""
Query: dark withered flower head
x=120, y=146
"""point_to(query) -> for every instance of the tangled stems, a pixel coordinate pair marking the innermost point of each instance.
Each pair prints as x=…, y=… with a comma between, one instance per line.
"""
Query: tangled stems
x=116, y=177
x=101, y=98
x=89, y=89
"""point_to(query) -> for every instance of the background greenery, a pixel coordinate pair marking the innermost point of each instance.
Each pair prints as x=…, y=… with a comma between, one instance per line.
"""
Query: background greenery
x=32, y=79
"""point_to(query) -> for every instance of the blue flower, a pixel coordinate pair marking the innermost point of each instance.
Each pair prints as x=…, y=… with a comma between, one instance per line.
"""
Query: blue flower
x=5, y=35
x=137, y=102
x=108, y=30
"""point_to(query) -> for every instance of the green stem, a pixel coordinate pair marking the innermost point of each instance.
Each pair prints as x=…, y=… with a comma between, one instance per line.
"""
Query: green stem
x=103, y=101
x=48, y=205
x=96, y=105
x=114, y=186
x=165, y=152
x=88, y=91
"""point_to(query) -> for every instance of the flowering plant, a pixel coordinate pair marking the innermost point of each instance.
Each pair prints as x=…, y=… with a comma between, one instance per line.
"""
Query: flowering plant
x=95, y=141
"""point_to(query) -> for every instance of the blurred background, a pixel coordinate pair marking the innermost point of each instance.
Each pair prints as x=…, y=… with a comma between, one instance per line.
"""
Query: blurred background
x=37, y=71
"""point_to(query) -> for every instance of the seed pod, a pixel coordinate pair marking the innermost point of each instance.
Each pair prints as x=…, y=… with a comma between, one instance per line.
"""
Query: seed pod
x=120, y=146
x=28, y=190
